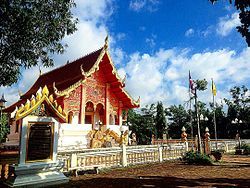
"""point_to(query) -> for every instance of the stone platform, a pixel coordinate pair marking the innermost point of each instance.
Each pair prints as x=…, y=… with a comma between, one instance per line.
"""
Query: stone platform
x=36, y=175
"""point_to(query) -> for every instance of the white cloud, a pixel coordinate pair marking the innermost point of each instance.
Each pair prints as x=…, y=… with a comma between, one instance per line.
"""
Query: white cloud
x=227, y=24
x=164, y=75
x=89, y=37
x=145, y=77
x=189, y=32
x=137, y=5
x=118, y=55
x=120, y=36
x=148, y=5
x=94, y=10
x=150, y=42
x=92, y=30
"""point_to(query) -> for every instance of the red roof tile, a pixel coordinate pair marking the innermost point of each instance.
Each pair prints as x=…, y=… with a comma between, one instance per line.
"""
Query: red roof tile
x=64, y=76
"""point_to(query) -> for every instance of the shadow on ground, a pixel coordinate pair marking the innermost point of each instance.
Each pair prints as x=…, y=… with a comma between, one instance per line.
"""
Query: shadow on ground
x=158, y=181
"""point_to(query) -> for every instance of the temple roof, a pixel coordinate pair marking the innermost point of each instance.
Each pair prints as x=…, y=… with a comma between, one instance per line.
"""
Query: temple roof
x=71, y=74
x=65, y=75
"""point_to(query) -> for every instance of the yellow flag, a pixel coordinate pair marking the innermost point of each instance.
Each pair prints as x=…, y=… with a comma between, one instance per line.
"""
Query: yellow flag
x=213, y=88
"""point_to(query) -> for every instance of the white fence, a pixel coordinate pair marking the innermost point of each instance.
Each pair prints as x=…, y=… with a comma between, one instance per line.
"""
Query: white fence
x=227, y=145
x=119, y=156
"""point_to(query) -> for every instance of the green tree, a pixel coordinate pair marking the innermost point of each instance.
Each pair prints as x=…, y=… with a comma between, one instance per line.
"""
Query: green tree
x=244, y=7
x=31, y=31
x=142, y=123
x=160, y=120
x=201, y=85
x=221, y=121
x=178, y=117
x=238, y=107
x=4, y=129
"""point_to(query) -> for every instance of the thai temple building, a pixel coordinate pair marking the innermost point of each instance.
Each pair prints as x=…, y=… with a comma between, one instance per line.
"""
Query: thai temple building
x=85, y=96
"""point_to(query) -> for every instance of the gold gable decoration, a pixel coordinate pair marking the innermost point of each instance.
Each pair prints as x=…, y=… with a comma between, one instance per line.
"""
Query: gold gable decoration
x=67, y=91
x=41, y=95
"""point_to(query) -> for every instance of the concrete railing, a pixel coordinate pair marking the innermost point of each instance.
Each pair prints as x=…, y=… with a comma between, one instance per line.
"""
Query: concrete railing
x=227, y=145
x=119, y=156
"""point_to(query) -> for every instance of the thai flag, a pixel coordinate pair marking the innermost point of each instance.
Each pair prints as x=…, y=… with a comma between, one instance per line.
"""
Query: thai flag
x=191, y=84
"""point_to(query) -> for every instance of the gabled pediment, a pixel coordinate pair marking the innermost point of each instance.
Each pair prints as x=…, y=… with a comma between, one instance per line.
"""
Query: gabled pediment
x=37, y=102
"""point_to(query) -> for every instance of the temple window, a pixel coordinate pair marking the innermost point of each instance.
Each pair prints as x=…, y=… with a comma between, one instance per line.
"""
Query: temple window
x=89, y=107
x=89, y=113
x=116, y=120
x=110, y=119
x=99, y=112
x=88, y=119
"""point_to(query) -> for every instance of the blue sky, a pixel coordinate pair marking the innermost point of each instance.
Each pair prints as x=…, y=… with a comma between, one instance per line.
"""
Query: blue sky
x=155, y=43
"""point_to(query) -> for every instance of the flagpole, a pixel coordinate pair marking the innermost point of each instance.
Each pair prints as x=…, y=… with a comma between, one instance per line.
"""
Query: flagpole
x=215, y=129
x=191, y=119
x=190, y=107
x=198, y=121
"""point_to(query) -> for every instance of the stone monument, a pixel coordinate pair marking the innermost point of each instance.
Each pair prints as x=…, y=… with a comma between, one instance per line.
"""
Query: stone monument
x=38, y=165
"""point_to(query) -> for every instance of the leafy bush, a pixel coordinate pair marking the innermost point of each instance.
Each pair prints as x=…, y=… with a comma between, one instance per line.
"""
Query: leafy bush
x=246, y=149
x=192, y=157
x=217, y=154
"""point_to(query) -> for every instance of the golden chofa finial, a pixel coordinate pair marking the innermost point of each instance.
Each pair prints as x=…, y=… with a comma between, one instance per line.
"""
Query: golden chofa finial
x=45, y=91
x=27, y=105
x=39, y=94
x=33, y=101
x=51, y=98
x=106, y=42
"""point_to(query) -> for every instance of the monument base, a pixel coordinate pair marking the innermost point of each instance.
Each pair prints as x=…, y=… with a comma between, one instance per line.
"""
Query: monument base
x=36, y=175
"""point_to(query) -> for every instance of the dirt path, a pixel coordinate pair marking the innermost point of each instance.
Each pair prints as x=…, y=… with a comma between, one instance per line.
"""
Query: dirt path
x=233, y=171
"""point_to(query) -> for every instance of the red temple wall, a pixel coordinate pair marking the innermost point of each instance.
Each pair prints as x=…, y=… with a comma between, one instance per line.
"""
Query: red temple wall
x=95, y=88
x=73, y=102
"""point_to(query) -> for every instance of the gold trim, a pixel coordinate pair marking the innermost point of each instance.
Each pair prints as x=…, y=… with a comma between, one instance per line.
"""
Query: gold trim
x=29, y=107
x=95, y=68
x=135, y=103
x=106, y=42
x=82, y=71
x=67, y=91
x=114, y=71
x=52, y=124
x=94, y=104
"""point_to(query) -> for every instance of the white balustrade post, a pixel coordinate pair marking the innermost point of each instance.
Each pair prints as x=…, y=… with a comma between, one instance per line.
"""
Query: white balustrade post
x=160, y=153
x=124, y=155
x=73, y=160
x=226, y=147
x=186, y=145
